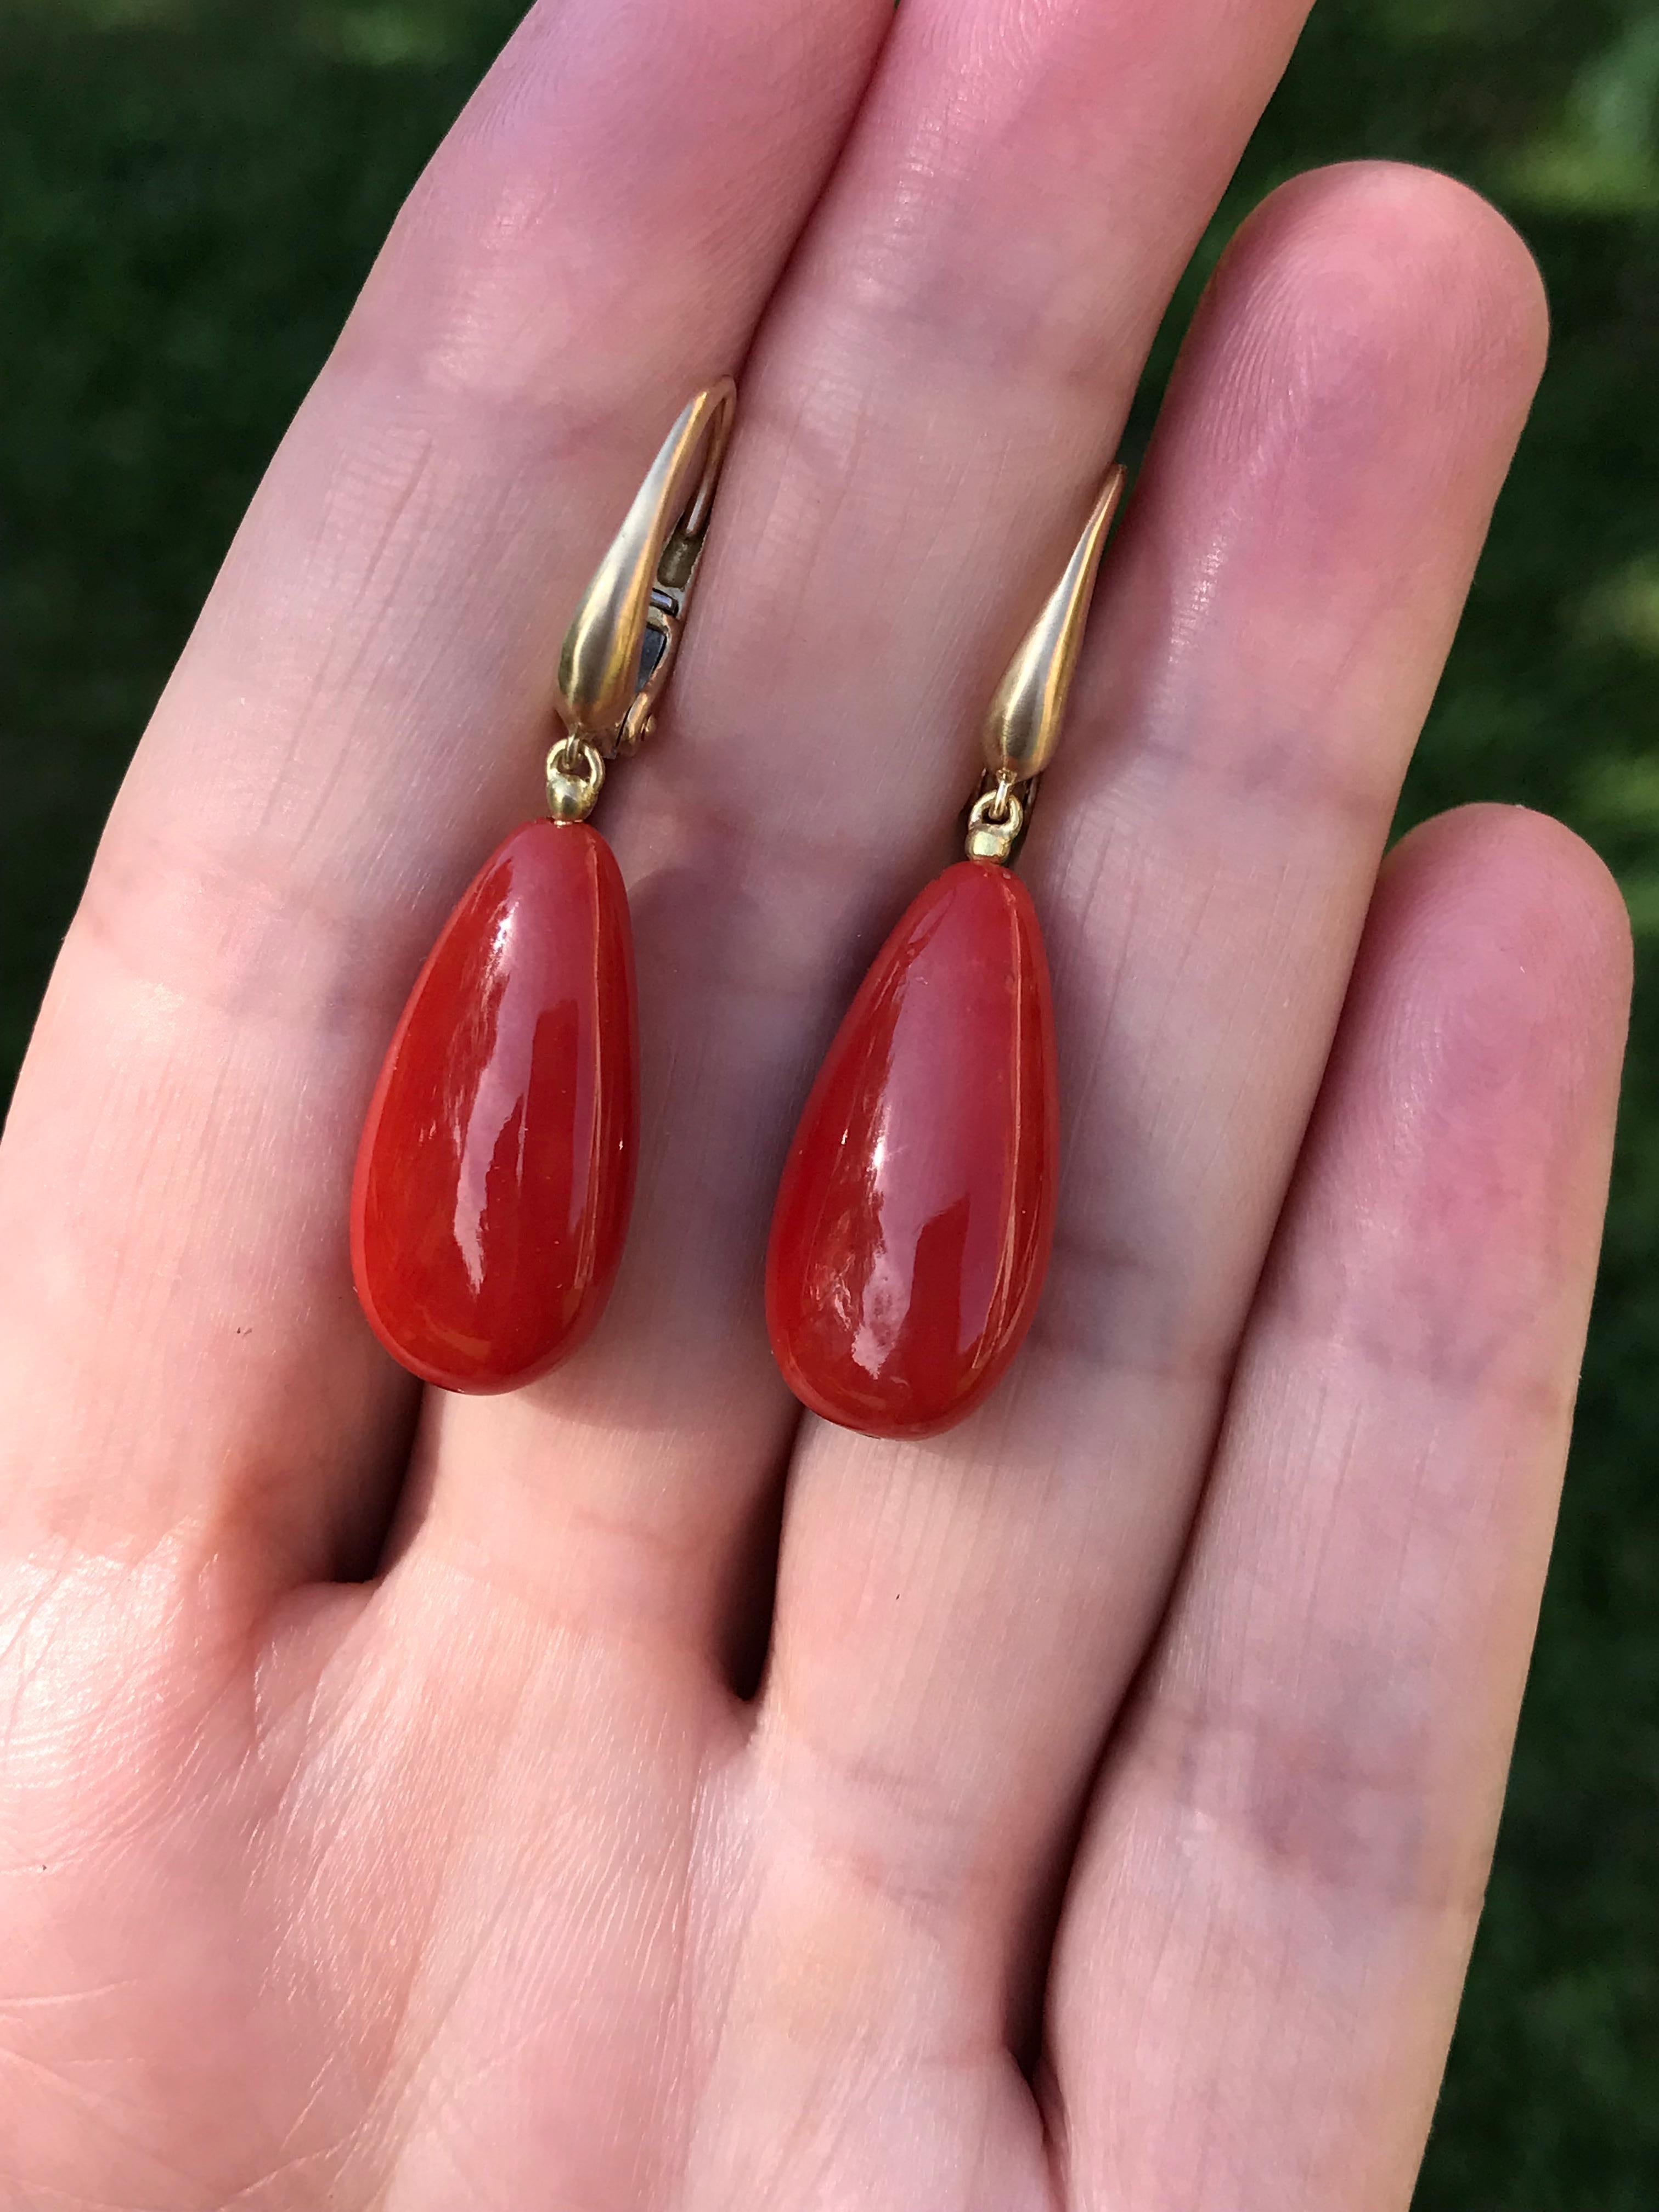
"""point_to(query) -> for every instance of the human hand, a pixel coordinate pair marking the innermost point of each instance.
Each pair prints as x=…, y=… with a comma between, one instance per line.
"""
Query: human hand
x=1108, y=1827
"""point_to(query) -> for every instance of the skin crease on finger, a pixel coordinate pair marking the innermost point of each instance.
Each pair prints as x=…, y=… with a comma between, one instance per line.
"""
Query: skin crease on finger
x=470, y=1889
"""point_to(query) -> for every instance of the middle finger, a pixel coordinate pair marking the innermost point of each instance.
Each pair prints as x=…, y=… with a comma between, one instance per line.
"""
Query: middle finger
x=933, y=396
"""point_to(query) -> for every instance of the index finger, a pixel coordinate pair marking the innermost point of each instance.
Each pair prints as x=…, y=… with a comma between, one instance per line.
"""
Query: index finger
x=353, y=721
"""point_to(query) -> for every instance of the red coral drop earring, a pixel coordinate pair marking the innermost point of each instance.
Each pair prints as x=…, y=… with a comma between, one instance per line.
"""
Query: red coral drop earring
x=916, y=1213
x=495, y=1176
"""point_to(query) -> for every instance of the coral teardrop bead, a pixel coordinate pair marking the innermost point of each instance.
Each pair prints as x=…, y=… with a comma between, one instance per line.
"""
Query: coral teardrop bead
x=496, y=1171
x=916, y=1213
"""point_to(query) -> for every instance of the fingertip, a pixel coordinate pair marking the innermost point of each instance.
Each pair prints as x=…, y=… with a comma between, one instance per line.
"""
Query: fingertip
x=1466, y=1123
x=1387, y=295
x=1534, y=894
x=1432, y=239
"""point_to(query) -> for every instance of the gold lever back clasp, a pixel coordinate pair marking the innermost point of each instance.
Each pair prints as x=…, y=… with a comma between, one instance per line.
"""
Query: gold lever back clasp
x=620, y=650
x=1021, y=729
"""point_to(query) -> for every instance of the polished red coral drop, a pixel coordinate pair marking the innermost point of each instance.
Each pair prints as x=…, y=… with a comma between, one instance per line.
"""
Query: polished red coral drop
x=496, y=1171
x=916, y=1214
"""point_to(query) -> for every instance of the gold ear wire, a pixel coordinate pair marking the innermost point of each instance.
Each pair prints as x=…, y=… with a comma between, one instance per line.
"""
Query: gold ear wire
x=620, y=649
x=1022, y=729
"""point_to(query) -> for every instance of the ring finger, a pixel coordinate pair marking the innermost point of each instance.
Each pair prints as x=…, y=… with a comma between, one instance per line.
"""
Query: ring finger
x=956, y=1621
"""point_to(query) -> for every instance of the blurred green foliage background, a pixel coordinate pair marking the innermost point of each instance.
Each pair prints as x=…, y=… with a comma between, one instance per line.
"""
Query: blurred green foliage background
x=190, y=192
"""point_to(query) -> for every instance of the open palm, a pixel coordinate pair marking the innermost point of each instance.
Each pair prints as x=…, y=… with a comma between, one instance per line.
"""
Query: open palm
x=625, y=1793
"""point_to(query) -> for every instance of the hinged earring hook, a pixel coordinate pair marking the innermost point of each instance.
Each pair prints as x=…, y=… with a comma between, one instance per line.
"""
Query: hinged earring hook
x=620, y=650
x=1021, y=731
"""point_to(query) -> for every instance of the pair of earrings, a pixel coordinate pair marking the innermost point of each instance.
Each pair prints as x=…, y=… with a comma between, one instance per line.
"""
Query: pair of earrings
x=916, y=1213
